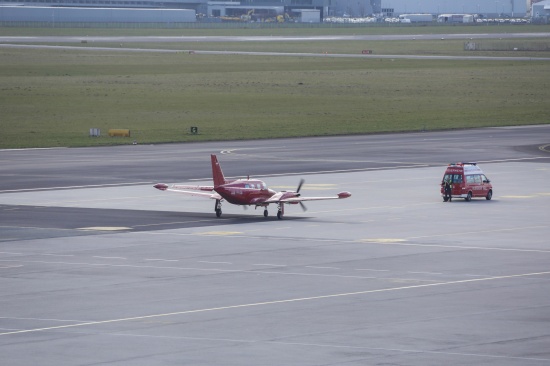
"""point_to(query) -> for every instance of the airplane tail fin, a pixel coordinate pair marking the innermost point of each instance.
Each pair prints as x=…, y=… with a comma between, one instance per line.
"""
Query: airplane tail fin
x=217, y=173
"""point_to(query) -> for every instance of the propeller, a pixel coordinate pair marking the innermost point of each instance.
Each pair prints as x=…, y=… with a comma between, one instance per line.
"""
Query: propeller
x=300, y=185
x=304, y=208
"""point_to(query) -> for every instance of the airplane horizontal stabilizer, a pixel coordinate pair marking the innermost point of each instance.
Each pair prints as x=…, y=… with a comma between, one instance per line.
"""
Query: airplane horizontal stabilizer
x=189, y=190
x=213, y=196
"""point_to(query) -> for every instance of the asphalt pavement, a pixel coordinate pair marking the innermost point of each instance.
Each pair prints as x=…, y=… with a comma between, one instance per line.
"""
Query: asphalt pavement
x=98, y=267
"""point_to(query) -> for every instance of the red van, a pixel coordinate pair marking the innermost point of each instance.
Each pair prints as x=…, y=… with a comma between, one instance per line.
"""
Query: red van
x=467, y=181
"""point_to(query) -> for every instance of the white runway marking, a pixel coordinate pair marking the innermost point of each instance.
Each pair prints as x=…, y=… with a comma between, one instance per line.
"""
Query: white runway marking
x=214, y=262
x=376, y=242
x=270, y=265
x=76, y=187
x=57, y=255
x=161, y=260
x=286, y=301
x=374, y=270
x=104, y=228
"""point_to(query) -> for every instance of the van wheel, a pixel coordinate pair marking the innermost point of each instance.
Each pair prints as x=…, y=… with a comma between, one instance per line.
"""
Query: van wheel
x=489, y=195
x=469, y=197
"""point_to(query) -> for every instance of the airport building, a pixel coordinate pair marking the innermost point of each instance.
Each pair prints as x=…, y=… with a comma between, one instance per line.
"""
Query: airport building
x=310, y=11
x=247, y=10
x=508, y=8
x=541, y=10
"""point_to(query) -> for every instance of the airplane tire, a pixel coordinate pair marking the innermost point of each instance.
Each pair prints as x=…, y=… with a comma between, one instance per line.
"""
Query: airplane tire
x=266, y=213
x=218, y=212
x=279, y=215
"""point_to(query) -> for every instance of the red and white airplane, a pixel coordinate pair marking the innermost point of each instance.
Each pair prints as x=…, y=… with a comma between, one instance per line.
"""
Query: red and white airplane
x=244, y=192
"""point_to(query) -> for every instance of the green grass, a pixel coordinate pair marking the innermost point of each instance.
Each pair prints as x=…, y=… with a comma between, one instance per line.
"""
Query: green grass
x=417, y=47
x=52, y=97
x=289, y=30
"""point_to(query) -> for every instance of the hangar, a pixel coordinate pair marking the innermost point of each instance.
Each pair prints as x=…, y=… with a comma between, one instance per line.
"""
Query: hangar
x=260, y=10
x=108, y=15
x=541, y=11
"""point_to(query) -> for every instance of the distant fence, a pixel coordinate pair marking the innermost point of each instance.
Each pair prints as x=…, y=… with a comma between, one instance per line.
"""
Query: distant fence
x=498, y=45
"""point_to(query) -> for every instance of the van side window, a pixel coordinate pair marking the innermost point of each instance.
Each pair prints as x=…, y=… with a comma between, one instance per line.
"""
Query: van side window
x=477, y=178
x=457, y=178
x=469, y=179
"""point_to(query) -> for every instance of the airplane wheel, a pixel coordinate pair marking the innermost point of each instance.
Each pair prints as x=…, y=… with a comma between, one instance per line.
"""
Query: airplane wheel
x=218, y=212
x=266, y=213
x=279, y=215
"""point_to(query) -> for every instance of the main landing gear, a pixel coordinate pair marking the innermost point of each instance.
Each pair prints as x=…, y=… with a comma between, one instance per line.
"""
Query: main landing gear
x=280, y=211
x=218, y=208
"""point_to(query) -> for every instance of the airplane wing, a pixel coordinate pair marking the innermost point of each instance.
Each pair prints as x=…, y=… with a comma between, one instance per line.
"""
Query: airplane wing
x=302, y=199
x=198, y=191
x=292, y=197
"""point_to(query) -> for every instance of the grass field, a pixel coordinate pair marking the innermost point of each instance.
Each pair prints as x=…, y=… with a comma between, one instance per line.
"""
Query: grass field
x=53, y=97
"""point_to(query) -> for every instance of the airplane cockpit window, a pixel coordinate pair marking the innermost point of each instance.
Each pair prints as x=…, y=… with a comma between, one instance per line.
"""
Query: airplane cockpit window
x=247, y=186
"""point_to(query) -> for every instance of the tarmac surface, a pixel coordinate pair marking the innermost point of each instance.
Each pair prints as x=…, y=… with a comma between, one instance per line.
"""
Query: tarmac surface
x=184, y=39
x=35, y=42
x=98, y=267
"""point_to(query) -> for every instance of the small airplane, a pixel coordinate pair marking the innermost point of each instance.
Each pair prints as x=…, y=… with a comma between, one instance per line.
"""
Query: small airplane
x=244, y=192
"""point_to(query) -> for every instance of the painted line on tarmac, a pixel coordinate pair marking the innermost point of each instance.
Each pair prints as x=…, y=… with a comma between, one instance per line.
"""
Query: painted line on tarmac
x=517, y=159
x=75, y=187
x=104, y=228
x=376, y=241
x=285, y=301
x=412, y=165
x=34, y=148
x=483, y=232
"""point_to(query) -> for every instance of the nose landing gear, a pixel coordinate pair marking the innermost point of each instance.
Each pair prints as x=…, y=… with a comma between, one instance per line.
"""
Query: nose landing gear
x=280, y=210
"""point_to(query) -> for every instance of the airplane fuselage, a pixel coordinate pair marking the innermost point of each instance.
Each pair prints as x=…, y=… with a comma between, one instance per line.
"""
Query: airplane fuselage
x=245, y=192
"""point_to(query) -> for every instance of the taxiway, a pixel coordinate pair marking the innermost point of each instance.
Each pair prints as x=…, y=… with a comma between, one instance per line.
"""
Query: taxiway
x=98, y=267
